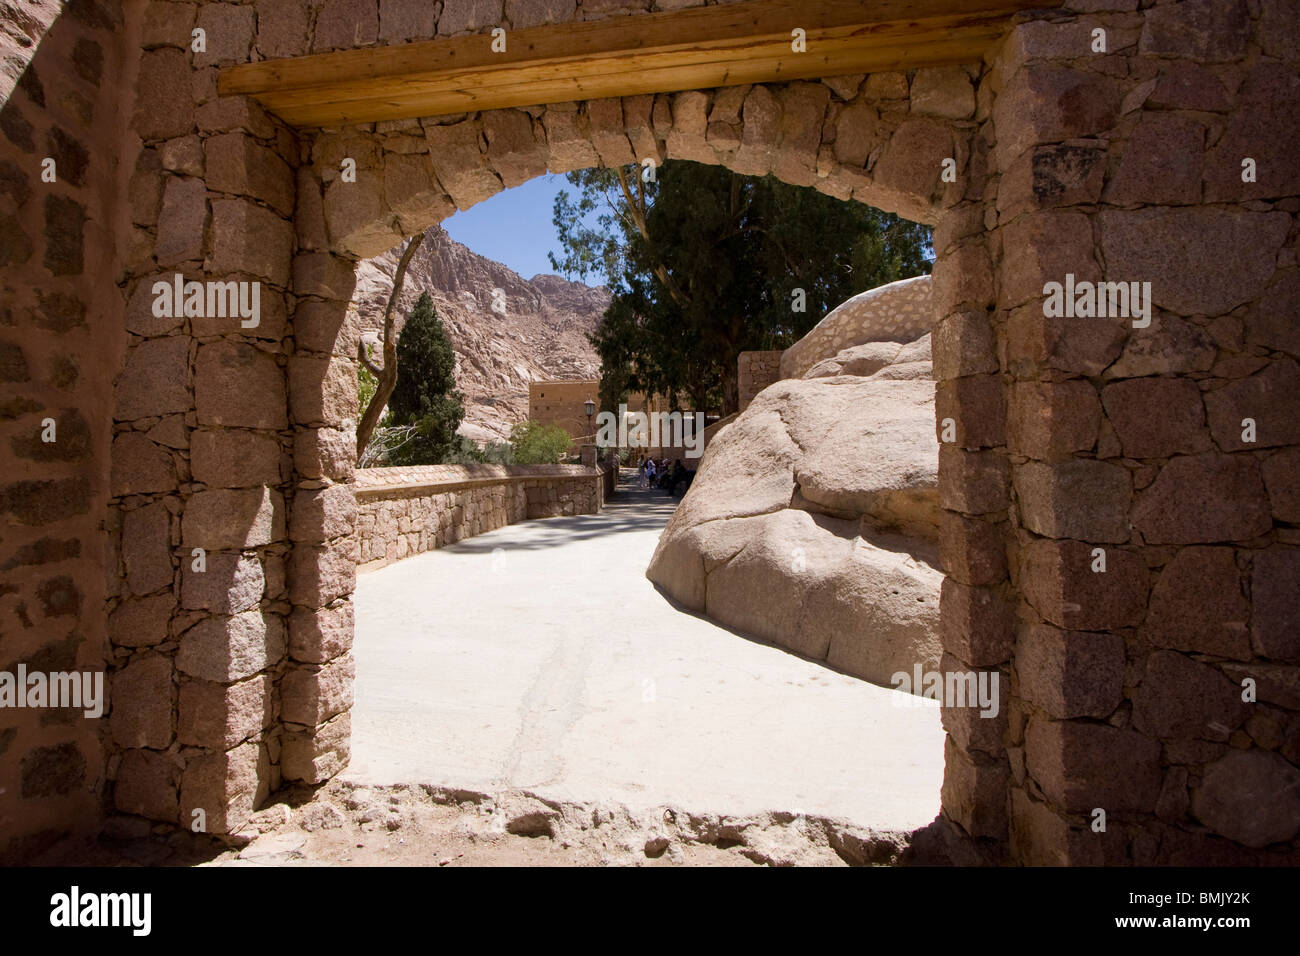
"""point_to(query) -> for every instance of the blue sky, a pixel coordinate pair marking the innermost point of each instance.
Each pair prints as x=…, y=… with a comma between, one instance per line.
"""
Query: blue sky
x=514, y=226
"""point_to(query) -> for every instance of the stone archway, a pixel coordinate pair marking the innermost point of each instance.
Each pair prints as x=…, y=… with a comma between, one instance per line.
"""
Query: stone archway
x=1120, y=163
x=412, y=174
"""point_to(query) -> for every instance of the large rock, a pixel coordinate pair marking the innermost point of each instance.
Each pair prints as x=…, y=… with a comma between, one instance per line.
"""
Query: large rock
x=812, y=523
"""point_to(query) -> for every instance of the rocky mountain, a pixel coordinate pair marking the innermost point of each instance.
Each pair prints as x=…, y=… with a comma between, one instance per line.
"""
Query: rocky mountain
x=532, y=329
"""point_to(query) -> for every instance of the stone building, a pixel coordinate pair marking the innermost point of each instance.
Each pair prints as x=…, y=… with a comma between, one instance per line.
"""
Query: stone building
x=564, y=404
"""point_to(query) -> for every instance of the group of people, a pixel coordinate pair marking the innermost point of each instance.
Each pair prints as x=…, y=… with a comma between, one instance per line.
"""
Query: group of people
x=663, y=474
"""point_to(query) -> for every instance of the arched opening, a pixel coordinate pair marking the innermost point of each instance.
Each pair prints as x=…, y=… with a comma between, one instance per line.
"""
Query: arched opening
x=579, y=679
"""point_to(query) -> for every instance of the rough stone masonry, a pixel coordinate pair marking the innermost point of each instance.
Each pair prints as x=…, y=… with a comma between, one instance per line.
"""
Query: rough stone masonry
x=1121, y=162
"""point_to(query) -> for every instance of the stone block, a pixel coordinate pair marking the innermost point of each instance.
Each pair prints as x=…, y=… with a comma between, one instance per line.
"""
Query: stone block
x=459, y=16
x=1080, y=498
x=1282, y=478
x=1070, y=673
x=317, y=635
x=140, y=466
x=943, y=91
x=345, y=24
x=1204, y=499
x=1157, y=417
x=283, y=28
x=146, y=548
x=459, y=163
x=1081, y=766
x=910, y=166
x=568, y=145
x=141, y=622
x=974, y=793
x=325, y=453
x=238, y=386
x=143, y=702
x=803, y=105
x=1057, y=579
x=231, y=519
x=1179, y=697
x=977, y=625
x=238, y=164
x=413, y=193
x=1251, y=797
x=972, y=482
x=229, y=583
x=229, y=30
x=513, y=147
x=1192, y=257
x=1052, y=104
x=1202, y=30
x=1052, y=176
x=219, y=716
x=963, y=344
x=531, y=13
x=315, y=756
x=1270, y=398
x=227, y=787
x=605, y=119
x=229, y=648
x=760, y=135
x=962, y=279
x=250, y=239
x=324, y=275
x=1275, y=624
x=234, y=459
x=154, y=379
x=1161, y=162
x=321, y=575
x=320, y=514
x=971, y=550
x=974, y=403
x=356, y=217
x=163, y=105
x=147, y=785
x=322, y=391
x=1199, y=605
x=313, y=693
x=182, y=225
x=1052, y=420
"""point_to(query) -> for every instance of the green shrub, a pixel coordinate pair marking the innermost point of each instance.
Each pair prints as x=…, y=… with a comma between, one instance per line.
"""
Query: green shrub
x=538, y=444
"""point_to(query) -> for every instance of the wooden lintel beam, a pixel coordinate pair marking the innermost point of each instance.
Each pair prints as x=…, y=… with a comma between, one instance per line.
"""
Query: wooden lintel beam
x=698, y=48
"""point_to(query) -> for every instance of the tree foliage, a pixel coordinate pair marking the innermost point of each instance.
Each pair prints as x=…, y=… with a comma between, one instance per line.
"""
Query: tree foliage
x=704, y=263
x=425, y=394
x=538, y=444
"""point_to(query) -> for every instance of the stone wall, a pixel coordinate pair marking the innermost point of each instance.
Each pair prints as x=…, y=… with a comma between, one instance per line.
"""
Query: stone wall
x=405, y=511
x=62, y=238
x=756, y=371
x=564, y=404
x=1072, y=435
x=1116, y=542
x=901, y=311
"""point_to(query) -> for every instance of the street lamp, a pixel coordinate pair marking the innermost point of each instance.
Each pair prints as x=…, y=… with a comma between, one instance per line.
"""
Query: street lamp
x=590, y=406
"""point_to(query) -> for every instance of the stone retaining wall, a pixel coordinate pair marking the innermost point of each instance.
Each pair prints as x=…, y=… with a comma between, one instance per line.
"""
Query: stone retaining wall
x=405, y=511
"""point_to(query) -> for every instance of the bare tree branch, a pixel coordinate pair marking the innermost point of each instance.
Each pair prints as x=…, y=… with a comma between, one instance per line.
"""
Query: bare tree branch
x=388, y=374
x=638, y=211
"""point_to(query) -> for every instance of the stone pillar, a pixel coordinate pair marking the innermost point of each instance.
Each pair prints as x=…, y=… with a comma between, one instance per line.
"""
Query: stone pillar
x=317, y=687
x=588, y=456
x=200, y=621
x=975, y=607
x=1152, y=457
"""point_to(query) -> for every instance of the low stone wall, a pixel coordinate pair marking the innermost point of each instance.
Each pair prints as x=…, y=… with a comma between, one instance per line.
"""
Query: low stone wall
x=404, y=511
